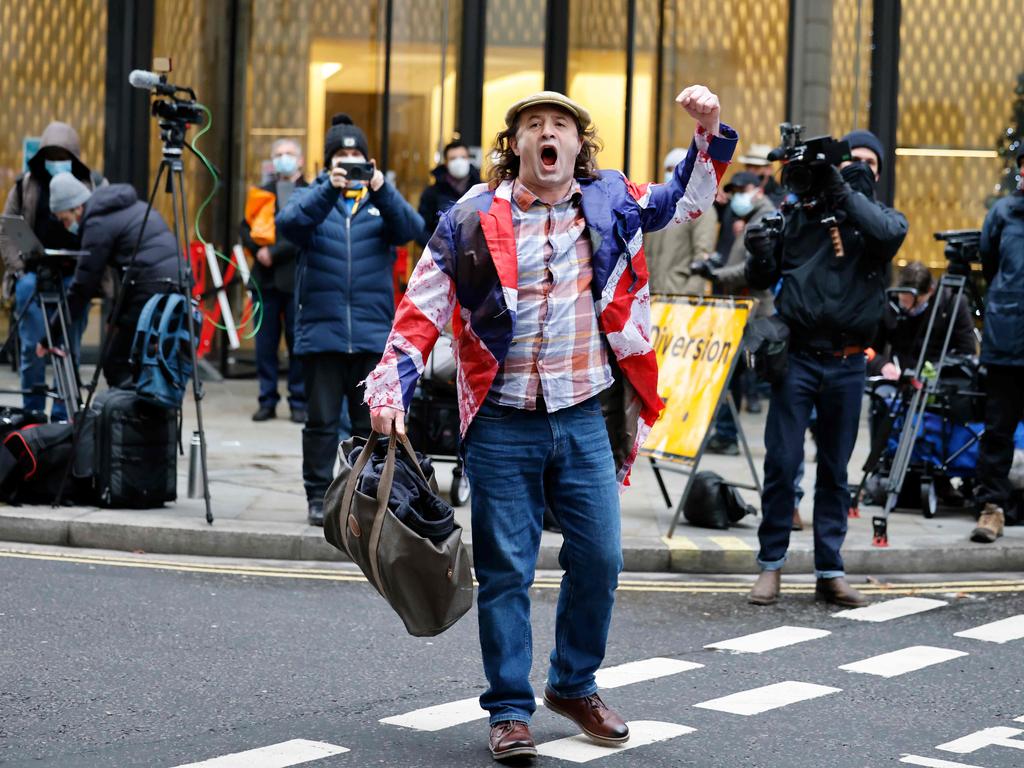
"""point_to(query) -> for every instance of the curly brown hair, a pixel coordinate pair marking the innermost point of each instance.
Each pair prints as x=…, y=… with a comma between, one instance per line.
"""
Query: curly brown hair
x=507, y=164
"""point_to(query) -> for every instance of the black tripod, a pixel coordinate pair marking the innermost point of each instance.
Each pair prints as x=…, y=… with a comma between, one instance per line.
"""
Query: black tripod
x=175, y=116
x=50, y=294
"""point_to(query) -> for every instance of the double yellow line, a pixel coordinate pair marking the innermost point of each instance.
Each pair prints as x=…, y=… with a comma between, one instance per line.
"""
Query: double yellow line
x=965, y=587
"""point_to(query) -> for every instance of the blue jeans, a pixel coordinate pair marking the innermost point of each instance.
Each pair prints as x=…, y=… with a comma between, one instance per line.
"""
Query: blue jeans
x=515, y=461
x=33, y=330
x=834, y=386
x=278, y=315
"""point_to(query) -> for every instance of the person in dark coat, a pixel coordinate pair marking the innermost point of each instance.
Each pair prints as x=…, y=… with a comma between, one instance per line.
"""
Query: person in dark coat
x=451, y=180
x=109, y=220
x=59, y=152
x=274, y=274
x=831, y=298
x=347, y=232
x=1002, y=352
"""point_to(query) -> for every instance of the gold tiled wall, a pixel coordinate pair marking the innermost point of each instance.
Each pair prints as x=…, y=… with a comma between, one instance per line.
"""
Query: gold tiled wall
x=739, y=51
x=959, y=62
x=51, y=70
x=850, y=65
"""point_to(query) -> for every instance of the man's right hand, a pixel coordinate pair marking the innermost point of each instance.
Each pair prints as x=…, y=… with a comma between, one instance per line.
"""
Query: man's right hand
x=263, y=256
x=760, y=242
x=381, y=420
x=702, y=268
x=339, y=176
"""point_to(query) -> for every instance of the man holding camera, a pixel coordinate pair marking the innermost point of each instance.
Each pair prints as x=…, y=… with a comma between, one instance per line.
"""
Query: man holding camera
x=347, y=224
x=30, y=198
x=831, y=256
x=110, y=221
x=546, y=264
x=1002, y=353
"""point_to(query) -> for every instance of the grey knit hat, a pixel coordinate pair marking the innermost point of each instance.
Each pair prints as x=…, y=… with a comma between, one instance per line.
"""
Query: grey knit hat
x=67, y=192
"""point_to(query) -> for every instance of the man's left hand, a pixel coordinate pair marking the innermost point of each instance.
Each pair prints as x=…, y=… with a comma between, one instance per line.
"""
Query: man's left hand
x=377, y=180
x=43, y=351
x=702, y=105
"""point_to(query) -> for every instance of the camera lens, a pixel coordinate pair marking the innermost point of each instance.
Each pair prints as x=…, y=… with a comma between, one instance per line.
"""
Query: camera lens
x=798, y=178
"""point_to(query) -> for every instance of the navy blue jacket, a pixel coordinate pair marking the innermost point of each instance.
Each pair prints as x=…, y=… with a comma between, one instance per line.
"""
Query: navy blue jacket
x=1002, y=261
x=345, y=300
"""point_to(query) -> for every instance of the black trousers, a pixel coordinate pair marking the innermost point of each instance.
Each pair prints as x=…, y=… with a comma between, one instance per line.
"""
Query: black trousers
x=329, y=378
x=1004, y=408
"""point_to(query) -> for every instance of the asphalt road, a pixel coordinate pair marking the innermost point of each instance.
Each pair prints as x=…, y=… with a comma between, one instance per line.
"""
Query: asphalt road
x=126, y=662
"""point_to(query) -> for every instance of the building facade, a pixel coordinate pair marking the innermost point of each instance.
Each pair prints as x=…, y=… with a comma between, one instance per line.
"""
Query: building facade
x=934, y=79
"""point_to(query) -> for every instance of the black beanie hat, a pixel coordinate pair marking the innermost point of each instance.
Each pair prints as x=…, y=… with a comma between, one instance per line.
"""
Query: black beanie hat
x=867, y=139
x=344, y=134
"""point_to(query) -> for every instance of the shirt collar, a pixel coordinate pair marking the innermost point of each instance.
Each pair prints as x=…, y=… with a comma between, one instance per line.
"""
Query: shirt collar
x=524, y=198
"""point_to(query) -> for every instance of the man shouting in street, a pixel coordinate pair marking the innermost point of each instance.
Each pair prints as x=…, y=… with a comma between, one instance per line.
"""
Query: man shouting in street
x=547, y=266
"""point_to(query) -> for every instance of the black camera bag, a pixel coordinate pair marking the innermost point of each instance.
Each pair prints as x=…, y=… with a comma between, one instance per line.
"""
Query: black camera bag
x=766, y=345
x=129, y=448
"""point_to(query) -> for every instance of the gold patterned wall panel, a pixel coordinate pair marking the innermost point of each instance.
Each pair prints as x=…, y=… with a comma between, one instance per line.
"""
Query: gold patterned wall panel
x=959, y=62
x=51, y=70
x=739, y=51
x=850, y=65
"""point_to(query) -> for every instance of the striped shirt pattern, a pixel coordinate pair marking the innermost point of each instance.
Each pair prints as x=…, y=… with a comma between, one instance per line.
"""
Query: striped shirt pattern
x=557, y=351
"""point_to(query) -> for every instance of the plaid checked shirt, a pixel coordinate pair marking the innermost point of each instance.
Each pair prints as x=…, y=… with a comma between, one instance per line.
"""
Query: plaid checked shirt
x=557, y=351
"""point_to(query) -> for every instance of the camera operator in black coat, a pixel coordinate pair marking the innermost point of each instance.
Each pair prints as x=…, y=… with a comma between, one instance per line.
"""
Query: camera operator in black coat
x=110, y=220
x=832, y=256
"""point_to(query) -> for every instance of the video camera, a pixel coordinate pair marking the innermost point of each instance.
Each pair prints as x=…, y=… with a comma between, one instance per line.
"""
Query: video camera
x=176, y=108
x=806, y=163
x=962, y=249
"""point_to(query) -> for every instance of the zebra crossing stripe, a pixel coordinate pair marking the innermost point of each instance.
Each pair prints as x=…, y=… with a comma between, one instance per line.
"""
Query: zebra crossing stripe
x=931, y=762
x=766, y=698
x=769, y=640
x=442, y=716
x=639, y=671
x=580, y=749
x=891, y=609
x=903, y=661
x=1002, y=631
x=283, y=755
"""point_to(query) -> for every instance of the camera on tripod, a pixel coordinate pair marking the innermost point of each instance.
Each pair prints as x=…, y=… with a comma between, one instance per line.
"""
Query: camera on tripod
x=962, y=249
x=806, y=163
x=176, y=110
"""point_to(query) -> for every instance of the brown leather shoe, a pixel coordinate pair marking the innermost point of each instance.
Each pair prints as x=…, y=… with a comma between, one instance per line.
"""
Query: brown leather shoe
x=511, y=739
x=990, y=525
x=766, y=588
x=839, y=592
x=598, y=721
x=798, y=524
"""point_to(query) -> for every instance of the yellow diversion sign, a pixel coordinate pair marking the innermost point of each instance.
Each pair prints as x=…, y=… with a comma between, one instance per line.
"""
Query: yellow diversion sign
x=696, y=340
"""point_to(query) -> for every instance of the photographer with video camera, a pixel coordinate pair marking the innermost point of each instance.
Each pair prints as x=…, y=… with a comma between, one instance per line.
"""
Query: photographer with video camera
x=1002, y=353
x=347, y=224
x=29, y=198
x=109, y=221
x=831, y=252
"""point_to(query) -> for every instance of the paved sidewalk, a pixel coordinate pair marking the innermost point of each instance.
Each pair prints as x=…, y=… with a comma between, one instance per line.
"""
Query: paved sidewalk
x=260, y=511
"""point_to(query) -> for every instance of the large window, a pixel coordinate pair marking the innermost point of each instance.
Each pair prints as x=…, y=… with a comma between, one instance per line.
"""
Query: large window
x=513, y=61
x=958, y=68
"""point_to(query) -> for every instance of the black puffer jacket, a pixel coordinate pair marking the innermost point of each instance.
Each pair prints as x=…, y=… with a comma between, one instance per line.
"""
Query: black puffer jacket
x=1002, y=260
x=110, y=228
x=439, y=197
x=832, y=302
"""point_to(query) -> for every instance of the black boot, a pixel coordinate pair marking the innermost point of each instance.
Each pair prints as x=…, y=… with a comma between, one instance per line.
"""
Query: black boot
x=315, y=516
x=265, y=413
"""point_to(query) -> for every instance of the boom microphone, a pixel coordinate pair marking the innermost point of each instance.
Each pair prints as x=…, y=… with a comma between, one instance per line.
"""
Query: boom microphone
x=151, y=81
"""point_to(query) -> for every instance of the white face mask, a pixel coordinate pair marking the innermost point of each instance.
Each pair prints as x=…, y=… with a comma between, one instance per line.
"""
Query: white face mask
x=742, y=203
x=458, y=167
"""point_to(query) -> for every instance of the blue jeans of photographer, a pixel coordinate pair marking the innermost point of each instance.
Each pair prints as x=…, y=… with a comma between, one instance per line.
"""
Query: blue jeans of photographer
x=834, y=386
x=515, y=460
x=31, y=331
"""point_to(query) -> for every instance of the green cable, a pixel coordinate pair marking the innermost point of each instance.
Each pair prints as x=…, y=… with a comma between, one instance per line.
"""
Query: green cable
x=257, y=304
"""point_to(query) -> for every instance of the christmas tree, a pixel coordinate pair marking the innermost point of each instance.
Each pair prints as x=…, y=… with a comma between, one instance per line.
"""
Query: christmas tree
x=1011, y=143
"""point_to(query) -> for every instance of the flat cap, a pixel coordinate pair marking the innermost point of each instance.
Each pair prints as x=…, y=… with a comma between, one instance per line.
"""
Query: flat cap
x=552, y=98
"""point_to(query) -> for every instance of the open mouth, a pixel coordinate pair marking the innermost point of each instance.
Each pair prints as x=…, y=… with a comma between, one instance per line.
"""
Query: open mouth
x=549, y=156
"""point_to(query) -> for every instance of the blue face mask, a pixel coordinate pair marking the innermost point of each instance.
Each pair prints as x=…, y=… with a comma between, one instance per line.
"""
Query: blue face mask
x=668, y=176
x=742, y=203
x=918, y=309
x=73, y=228
x=286, y=164
x=54, y=167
